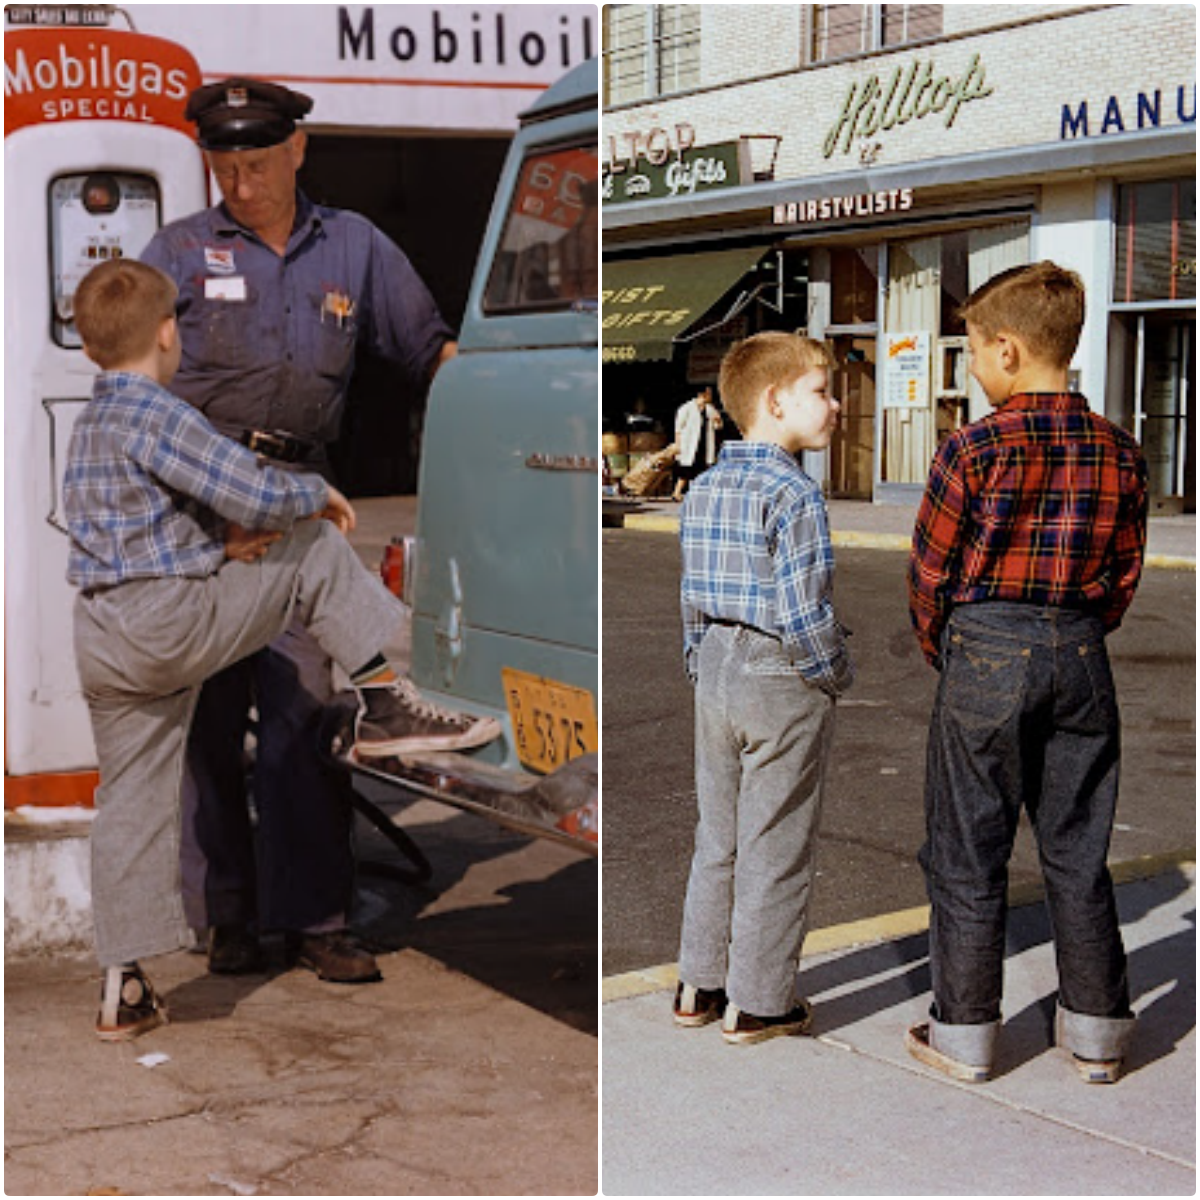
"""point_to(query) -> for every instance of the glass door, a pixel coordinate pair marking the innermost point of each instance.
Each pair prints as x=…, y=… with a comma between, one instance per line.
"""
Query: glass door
x=1165, y=384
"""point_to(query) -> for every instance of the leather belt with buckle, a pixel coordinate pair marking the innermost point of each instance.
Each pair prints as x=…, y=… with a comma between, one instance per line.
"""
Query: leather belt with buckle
x=280, y=446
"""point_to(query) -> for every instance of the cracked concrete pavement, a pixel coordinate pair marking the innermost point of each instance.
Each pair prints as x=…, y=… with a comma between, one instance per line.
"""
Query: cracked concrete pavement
x=470, y=1070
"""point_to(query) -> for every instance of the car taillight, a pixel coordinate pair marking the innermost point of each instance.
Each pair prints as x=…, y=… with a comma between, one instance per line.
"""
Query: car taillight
x=397, y=567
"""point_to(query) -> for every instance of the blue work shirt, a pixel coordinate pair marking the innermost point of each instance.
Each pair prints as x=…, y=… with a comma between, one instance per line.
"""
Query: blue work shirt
x=269, y=342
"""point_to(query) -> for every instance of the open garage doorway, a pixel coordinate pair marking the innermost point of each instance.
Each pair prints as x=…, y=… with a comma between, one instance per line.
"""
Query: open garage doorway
x=432, y=196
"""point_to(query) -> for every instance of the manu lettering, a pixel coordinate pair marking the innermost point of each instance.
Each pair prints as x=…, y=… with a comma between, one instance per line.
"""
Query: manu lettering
x=1150, y=110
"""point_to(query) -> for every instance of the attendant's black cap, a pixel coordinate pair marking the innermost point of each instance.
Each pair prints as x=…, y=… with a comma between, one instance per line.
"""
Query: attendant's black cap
x=245, y=114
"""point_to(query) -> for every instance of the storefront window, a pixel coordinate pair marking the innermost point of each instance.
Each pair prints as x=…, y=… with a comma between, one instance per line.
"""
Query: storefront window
x=855, y=286
x=1156, y=241
x=925, y=389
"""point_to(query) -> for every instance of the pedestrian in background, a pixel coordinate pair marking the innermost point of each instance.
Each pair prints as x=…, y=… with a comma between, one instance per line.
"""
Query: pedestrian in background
x=697, y=423
x=1027, y=550
x=768, y=660
x=276, y=297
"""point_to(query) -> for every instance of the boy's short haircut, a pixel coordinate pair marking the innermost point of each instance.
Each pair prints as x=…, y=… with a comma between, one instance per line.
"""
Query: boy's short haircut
x=772, y=358
x=119, y=307
x=1042, y=303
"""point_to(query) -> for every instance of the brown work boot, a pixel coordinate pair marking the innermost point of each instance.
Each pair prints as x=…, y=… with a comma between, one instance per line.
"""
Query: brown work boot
x=337, y=957
x=394, y=718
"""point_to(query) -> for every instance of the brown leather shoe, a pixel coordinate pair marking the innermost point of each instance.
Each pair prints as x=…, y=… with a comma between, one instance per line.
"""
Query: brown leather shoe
x=337, y=957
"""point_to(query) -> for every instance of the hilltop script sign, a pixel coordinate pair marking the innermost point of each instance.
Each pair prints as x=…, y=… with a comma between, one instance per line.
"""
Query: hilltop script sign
x=912, y=93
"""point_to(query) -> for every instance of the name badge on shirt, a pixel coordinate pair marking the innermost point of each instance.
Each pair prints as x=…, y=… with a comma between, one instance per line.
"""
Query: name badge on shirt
x=233, y=288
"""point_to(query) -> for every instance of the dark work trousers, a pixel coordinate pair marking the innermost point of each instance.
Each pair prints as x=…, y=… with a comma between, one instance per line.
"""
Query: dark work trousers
x=1025, y=715
x=296, y=870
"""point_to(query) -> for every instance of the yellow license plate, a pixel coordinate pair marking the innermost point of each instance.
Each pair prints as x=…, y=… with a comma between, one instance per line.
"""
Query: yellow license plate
x=552, y=722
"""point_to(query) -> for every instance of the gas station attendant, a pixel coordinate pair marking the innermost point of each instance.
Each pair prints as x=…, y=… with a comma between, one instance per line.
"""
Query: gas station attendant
x=276, y=297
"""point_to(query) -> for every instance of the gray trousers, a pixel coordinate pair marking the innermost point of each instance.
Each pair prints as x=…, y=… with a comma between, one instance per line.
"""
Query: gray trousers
x=143, y=650
x=762, y=742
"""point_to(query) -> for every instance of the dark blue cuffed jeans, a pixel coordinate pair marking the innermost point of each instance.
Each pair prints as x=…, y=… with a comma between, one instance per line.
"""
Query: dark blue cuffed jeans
x=1025, y=715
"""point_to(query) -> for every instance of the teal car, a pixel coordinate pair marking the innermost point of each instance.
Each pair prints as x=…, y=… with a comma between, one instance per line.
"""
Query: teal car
x=502, y=575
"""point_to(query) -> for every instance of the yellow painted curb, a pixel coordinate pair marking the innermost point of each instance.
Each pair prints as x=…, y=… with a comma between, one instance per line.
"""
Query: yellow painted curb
x=904, y=923
x=1172, y=562
x=859, y=539
x=651, y=523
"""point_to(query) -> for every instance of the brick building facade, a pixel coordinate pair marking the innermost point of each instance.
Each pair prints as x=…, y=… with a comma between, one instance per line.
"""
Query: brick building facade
x=855, y=170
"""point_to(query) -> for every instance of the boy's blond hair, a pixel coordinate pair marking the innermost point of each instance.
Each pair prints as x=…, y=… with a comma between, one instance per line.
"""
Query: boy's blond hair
x=1042, y=303
x=767, y=359
x=119, y=308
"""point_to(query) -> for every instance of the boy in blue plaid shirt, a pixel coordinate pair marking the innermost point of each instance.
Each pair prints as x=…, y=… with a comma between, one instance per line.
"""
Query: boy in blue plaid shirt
x=768, y=660
x=190, y=553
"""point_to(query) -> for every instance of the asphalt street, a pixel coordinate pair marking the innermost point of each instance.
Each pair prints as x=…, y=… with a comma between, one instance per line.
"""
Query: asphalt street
x=872, y=825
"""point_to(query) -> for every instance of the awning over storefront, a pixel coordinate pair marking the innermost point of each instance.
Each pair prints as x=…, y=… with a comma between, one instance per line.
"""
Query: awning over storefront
x=648, y=302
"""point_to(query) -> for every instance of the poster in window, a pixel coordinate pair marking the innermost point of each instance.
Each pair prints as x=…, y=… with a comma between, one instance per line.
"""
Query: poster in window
x=906, y=373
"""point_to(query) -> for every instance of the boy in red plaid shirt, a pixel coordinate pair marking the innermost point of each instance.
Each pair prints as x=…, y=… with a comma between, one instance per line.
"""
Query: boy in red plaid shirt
x=1027, y=551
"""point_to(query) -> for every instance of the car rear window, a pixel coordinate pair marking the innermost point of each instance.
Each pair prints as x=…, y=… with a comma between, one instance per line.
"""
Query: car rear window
x=547, y=258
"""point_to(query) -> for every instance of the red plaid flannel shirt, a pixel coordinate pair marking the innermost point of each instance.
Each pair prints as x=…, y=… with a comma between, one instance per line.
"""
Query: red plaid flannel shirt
x=1042, y=501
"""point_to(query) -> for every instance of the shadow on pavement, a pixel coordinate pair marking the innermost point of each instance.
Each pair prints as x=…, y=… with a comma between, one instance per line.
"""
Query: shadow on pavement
x=1164, y=969
x=533, y=939
x=214, y=997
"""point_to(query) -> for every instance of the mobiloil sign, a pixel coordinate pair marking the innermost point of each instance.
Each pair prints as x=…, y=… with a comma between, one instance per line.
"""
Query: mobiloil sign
x=97, y=156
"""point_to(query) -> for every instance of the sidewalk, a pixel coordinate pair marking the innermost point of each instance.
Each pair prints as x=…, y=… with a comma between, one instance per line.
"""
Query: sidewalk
x=469, y=1070
x=1171, y=541
x=848, y=1112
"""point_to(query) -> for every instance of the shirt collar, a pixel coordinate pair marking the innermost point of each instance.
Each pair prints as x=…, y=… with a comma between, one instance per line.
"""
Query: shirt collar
x=756, y=451
x=113, y=381
x=1051, y=401
x=308, y=219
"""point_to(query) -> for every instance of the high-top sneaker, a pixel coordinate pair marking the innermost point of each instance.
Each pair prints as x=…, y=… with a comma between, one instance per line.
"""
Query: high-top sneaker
x=128, y=1005
x=394, y=718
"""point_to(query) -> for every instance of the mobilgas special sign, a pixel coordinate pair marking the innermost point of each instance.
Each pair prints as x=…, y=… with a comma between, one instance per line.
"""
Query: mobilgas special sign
x=88, y=74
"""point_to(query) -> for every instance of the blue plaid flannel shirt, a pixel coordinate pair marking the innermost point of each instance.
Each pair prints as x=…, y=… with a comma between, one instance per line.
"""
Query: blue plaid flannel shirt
x=150, y=485
x=756, y=550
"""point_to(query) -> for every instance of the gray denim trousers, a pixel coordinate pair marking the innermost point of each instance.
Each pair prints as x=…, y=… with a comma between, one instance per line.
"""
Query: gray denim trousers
x=143, y=650
x=762, y=743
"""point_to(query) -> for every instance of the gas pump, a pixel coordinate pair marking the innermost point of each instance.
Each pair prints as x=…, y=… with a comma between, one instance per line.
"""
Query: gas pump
x=97, y=156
